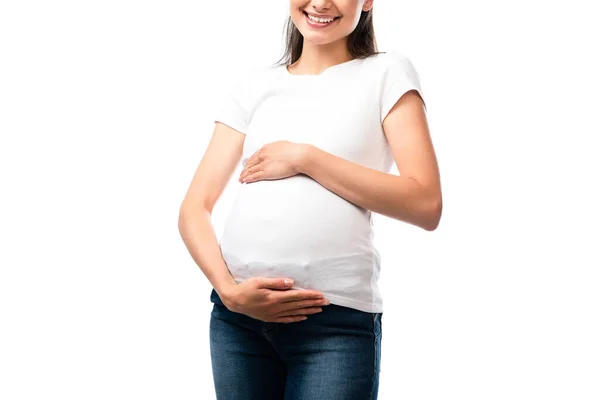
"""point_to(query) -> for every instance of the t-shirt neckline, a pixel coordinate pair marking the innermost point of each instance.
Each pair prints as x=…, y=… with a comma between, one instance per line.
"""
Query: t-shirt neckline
x=314, y=76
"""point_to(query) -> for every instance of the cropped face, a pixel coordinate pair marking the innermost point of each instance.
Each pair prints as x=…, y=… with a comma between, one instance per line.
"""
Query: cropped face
x=326, y=21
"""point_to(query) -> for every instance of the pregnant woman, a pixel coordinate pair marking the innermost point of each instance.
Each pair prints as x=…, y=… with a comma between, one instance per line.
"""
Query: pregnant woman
x=297, y=310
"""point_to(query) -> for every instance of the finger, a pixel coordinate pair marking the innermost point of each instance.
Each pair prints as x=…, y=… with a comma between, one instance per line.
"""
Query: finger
x=250, y=161
x=294, y=305
x=250, y=170
x=252, y=177
x=287, y=320
x=274, y=283
x=244, y=170
x=296, y=295
x=299, y=311
x=253, y=158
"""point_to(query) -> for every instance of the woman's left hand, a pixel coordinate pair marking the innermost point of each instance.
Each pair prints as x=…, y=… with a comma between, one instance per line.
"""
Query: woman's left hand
x=276, y=160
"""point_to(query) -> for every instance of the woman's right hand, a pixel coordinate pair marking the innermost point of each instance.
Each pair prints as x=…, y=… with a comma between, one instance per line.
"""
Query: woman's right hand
x=271, y=300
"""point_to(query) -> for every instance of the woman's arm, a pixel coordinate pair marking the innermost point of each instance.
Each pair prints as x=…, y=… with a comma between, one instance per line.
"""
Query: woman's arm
x=214, y=172
x=415, y=196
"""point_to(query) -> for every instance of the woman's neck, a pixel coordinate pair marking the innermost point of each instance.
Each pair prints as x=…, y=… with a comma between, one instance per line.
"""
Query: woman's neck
x=317, y=58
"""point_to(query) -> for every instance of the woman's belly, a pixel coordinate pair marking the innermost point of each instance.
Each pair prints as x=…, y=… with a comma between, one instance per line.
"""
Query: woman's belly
x=293, y=221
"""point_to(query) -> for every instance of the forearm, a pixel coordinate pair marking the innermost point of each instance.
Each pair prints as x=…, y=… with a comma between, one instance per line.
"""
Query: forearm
x=199, y=237
x=399, y=197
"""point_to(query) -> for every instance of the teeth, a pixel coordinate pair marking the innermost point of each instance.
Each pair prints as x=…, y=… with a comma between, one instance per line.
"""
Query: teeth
x=319, y=19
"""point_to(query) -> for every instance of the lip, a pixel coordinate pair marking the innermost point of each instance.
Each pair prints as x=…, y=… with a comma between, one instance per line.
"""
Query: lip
x=317, y=25
x=321, y=15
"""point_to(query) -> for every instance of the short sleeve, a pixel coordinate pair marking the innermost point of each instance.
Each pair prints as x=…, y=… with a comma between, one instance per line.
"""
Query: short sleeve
x=399, y=77
x=233, y=109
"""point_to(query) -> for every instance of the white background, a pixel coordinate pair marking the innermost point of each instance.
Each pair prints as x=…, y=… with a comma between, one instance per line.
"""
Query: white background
x=105, y=112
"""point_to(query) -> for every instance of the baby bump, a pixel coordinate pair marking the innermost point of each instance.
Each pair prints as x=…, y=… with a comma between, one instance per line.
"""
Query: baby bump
x=294, y=219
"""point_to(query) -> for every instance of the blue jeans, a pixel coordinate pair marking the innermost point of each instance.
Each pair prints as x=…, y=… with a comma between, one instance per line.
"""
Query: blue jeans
x=333, y=355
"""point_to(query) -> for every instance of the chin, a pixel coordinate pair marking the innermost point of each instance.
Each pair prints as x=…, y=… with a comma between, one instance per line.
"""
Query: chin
x=317, y=40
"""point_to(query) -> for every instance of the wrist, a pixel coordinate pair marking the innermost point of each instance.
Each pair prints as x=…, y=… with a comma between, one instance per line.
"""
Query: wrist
x=227, y=293
x=305, y=158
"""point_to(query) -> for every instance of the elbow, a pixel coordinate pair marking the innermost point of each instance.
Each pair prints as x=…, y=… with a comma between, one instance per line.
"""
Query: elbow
x=181, y=219
x=189, y=210
x=433, y=215
x=184, y=214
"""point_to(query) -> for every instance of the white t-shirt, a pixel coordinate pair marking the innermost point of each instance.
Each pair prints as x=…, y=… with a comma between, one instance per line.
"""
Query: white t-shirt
x=295, y=227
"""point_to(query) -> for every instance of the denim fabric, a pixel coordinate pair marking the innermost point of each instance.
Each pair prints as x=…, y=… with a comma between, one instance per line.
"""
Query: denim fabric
x=332, y=355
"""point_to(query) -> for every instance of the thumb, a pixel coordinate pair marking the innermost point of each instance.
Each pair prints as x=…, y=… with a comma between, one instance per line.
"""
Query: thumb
x=276, y=283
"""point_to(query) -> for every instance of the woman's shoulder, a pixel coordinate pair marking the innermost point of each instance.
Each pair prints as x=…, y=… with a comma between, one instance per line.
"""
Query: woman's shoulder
x=394, y=64
x=392, y=58
x=251, y=78
x=260, y=75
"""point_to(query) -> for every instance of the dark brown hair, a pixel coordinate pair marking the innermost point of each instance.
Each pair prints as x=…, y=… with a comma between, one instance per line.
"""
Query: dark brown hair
x=361, y=42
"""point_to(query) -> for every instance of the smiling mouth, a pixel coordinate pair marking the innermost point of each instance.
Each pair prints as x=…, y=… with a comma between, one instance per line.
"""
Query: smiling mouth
x=334, y=19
